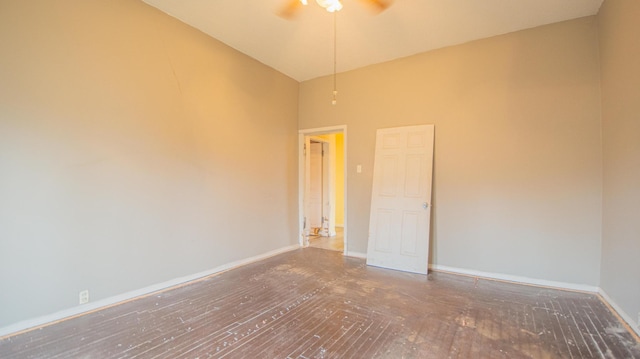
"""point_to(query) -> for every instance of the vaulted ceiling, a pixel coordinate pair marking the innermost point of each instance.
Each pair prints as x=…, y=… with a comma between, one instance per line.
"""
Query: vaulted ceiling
x=302, y=47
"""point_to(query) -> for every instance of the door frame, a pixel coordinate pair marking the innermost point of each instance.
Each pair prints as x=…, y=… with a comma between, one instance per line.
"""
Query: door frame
x=301, y=178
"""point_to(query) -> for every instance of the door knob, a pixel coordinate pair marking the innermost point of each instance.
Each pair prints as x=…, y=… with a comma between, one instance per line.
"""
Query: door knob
x=425, y=205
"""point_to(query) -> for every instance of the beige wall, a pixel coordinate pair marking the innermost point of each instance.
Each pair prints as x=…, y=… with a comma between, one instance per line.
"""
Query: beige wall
x=132, y=152
x=517, y=171
x=619, y=53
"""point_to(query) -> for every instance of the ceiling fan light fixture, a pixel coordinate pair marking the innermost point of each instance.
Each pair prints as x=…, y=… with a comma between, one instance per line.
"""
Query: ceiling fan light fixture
x=337, y=6
x=330, y=5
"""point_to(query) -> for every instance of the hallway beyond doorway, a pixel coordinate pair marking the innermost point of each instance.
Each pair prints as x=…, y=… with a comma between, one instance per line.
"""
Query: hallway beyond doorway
x=335, y=243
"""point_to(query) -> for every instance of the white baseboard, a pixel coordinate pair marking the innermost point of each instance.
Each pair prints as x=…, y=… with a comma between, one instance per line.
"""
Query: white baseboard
x=499, y=276
x=135, y=294
x=516, y=279
x=356, y=254
x=118, y=299
x=633, y=325
x=502, y=277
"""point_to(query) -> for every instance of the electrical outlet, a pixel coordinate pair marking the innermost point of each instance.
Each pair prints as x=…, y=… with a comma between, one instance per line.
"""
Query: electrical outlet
x=84, y=296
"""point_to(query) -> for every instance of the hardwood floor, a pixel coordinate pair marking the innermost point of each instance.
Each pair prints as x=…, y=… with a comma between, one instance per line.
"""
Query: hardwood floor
x=335, y=243
x=313, y=303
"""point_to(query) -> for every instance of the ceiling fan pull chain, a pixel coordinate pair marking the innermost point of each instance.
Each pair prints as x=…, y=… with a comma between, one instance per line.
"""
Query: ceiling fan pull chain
x=335, y=56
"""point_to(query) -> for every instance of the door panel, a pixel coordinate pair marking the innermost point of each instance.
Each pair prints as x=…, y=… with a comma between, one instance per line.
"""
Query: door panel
x=314, y=209
x=410, y=233
x=414, y=187
x=400, y=199
x=383, y=228
x=388, y=186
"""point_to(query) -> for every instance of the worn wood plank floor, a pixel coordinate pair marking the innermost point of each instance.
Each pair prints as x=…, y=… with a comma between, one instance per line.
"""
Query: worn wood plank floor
x=335, y=243
x=313, y=303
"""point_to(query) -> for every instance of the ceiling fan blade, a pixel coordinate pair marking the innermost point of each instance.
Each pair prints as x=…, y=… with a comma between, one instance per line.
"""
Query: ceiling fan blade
x=290, y=10
x=377, y=5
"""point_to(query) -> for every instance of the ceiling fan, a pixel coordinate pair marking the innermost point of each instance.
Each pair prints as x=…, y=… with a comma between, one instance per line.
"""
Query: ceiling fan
x=293, y=6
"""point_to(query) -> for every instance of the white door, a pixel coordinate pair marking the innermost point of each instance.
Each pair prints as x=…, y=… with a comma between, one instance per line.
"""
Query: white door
x=315, y=213
x=401, y=199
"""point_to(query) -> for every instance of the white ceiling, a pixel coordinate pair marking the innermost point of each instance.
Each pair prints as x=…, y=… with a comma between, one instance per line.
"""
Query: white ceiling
x=302, y=48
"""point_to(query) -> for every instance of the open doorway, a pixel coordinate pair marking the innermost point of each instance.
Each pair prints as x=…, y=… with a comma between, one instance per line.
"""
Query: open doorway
x=318, y=192
x=322, y=183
